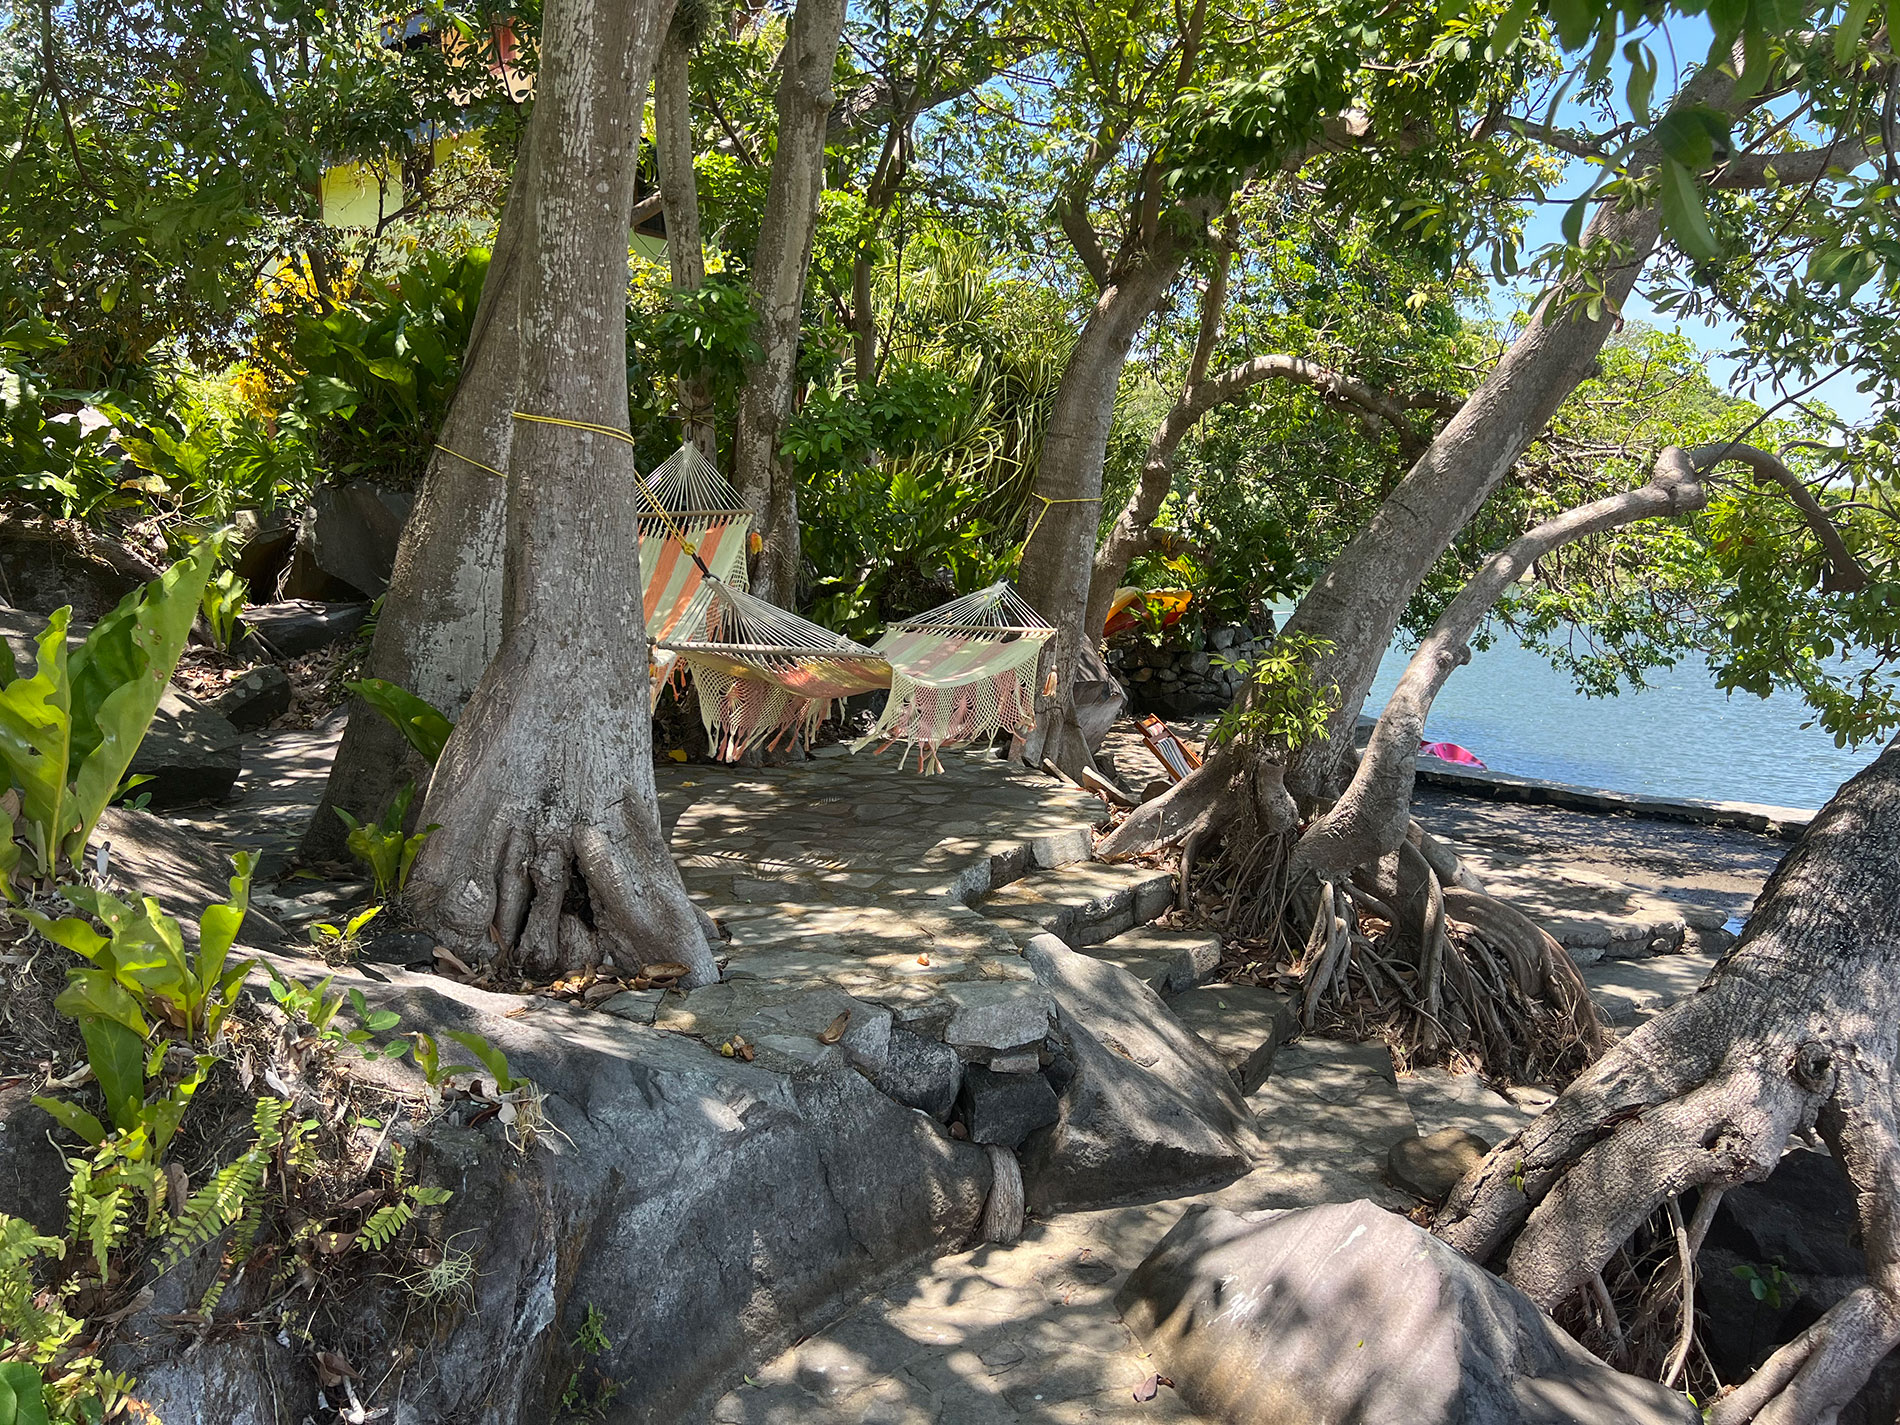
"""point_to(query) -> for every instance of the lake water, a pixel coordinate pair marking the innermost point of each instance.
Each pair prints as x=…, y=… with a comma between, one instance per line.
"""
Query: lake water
x=1680, y=737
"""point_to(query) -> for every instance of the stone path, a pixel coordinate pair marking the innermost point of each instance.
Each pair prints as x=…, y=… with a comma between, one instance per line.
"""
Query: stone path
x=849, y=875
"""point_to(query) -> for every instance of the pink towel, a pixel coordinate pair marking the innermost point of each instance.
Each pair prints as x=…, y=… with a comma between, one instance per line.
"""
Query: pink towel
x=1449, y=752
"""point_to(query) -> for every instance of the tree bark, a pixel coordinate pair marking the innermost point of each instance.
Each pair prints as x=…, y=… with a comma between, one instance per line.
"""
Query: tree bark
x=1798, y=1026
x=549, y=847
x=441, y=615
x=779, y=268
x=1057, y=559
x=679, y=202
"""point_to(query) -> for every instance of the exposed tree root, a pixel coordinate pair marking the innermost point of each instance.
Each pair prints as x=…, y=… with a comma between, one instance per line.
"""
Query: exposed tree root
x=1796, y=1029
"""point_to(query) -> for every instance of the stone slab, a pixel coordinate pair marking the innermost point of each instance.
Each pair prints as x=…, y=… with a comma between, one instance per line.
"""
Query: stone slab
x=1627, y=992
x=1243, y=1024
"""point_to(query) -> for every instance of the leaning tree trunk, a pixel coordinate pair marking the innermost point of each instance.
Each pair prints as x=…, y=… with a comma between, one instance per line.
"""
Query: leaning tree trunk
x=779, y=267
x=1798, y=1026
x=1066, y=508
x=441, y=615
x=549, y=850
x=679, y=202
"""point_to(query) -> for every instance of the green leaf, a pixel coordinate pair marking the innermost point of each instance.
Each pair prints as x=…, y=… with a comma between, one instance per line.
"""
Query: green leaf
x=1847, y=37
x=492, y=1058
x=95, y=994
x=1510, y=26
x=425, y=727
x=75, y=1118
x=36, y=743
x=118, y=677
x=117, y=1056
x=1683, y=217
x=219, y=925
x=22, y=1401
x=1642, y=80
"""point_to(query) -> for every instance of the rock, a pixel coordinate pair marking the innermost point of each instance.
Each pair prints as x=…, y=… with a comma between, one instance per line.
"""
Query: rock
x=1431, y=1166
x=1004, y=1109
x=255, y=700
x=1023, y=1061
x=53, y=563
x=713, y=1211
x=640, y=1006
x=1348, y=1312
x=919, y=1073
x=989, y=1015
x=33, y=1176
x=1802, y=1216
x=354, y=533
x=190, y=752
x=264, y=544
x=864, y=1037
x=1149, y=1109
x=1243, y=1024
x=302, y=625
x=400, y=947
x=175, y=868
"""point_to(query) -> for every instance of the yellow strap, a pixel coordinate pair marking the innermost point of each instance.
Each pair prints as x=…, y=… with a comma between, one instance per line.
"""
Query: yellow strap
x=622, y=436
x=471, y=460
x=1047, y=502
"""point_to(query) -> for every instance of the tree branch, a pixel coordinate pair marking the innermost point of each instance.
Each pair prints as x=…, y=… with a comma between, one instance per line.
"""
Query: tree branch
x=1844, y=573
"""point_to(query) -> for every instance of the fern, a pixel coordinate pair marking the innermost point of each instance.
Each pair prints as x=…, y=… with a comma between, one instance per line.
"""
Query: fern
x=234, y=1193
x=385, y=1222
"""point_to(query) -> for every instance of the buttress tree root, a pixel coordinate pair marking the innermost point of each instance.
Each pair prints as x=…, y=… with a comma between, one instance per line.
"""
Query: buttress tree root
x=1798, y=1028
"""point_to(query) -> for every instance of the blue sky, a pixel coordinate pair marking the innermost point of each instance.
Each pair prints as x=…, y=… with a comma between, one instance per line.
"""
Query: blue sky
x=1688, y=39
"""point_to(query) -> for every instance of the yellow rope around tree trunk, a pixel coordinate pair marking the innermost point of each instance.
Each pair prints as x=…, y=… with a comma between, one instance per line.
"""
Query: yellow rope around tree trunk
x=651, y=499
x=1047, y=502
x=471, y=460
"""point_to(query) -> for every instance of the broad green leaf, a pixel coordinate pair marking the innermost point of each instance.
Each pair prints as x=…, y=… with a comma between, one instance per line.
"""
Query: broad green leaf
x=219, y=925
x=118, y=677
x=117, y=1056
x=426, y=729
x=1847, y=37
x=1683, y=217
x=7, y=671
x=1642, y=80
x=36, y=743
x=9, y=848
x=22, y=1401
x=94, y=994
x=72, y=1116
x=492, y=1058
x=1510, y=26
x=69, y=932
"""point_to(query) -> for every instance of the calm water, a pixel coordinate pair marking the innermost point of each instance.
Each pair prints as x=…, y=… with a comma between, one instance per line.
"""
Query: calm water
x=1682, y=736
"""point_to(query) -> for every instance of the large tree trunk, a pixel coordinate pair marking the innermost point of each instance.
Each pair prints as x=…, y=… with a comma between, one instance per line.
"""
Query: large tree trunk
x=549, y=851
x=1066, y=510
x=779, y=268
x=441, y=616
x=679, y=202
x=1798, y=1026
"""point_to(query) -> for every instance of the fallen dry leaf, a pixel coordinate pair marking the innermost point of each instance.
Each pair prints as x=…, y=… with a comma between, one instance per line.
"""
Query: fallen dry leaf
x=1151, y=1387
x=516, y=1012
x=664, y=970
x=834, y=1031
x=452, y=960
x=332, y=1243
x=601, y=990
x=923, y=959
x=333, y=1368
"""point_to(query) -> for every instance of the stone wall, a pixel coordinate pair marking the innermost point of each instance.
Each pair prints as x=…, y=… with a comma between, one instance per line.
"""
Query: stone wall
x=1180, y=676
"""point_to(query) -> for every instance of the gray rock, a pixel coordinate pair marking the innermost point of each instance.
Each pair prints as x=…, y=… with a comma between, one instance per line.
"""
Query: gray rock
x=714, y=1212
x=1149, y=1109
x=400, y=947
x=177, y=869
x=1243, y=1024
x=50, y=565
x=32, y=1174
x=302, y=625
x=1004, y=1109
x=258, y=698
x=1023, y=1061
x=190, y=752
x=991, y=1015
x=355, y=532
x=1430, y=1166
x=919, y=1073
x=1348, y=1312
x=865, y=1039
x=637, y=1005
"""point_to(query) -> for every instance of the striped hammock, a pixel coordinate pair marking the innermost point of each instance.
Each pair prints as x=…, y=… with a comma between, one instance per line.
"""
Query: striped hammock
x=691, y=510
x=957, y=674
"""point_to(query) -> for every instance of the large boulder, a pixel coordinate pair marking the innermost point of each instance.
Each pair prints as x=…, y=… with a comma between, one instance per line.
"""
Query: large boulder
x=713, y=1211
x=354, y=529
x=295, y=626
x=1147, y=1109
x=1347, y=1312
x=48, y=564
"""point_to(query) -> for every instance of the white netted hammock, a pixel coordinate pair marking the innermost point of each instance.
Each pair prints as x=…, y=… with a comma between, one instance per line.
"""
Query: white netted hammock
x=956, y=675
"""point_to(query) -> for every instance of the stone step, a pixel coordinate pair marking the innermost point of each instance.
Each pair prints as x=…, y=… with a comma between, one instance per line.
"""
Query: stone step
x=1243, y=1024
x=1440, y=1099
x=1168, y=961
x=1629, y=992
x=1328, y=1115
x=1083, y=904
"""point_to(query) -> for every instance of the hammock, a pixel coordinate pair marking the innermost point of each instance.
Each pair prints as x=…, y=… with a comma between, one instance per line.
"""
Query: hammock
x=957, y=674
x=691, y=511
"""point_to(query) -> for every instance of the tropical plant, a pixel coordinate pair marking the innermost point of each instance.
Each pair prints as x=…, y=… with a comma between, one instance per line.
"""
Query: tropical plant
x=70, y=729
x=223, y=606
x=338, y=943
x=417, y=719
x=384, y=847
